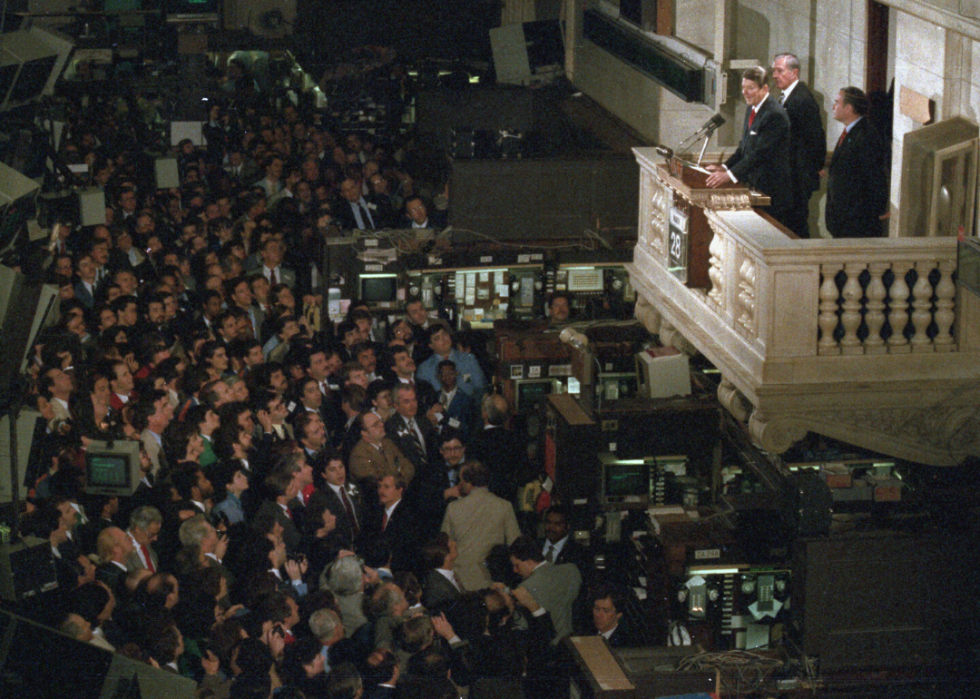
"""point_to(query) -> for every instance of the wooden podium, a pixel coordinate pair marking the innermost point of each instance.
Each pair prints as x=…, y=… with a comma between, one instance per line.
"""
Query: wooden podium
x=689, y=234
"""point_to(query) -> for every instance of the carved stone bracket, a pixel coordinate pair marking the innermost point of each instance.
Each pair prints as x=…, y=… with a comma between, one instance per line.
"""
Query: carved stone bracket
x=733, y=400
x=776, y=434
x=941, y=435
x=647, y=314
x=671, y=336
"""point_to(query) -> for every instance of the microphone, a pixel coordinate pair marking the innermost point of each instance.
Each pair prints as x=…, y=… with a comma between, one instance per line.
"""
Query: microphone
x=708, y=128
x=711, y=125
x=665, y=151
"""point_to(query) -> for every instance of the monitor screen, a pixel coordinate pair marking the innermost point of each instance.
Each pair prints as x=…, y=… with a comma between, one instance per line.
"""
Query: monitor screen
x=379, y=288
x=107, y=470
x=112, y=468
x=531, y=393
x=625, y=480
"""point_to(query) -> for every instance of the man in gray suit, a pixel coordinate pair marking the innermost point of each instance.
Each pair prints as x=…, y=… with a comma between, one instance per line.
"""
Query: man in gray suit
x=552, y=587
x=272, y=269
x=477, y=522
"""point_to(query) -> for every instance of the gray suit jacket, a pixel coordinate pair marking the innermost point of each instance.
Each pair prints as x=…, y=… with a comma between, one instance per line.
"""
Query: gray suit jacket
x=555, y=588
x=477, y=523
x=134, y=562
x=153, y=451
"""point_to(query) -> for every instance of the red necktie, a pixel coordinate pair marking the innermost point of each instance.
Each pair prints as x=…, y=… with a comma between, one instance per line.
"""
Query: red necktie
x=384, y=521
x=751, y=117
x=148, y=559
x=842, y=137
x=272, y=277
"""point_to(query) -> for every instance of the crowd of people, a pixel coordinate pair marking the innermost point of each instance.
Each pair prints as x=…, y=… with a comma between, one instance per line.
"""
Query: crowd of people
x=324, y=510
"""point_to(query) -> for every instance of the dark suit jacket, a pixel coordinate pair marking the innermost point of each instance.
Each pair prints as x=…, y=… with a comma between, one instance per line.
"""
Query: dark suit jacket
x=398, y=432
x=464, y=410
x=290, y=532
x=762, y=160
x=809, y=146
x=402, y=535
x=573, y=552
x=501, y=451
x=438, y=593
x=112, y=575
x=344, y=531
x=621, y=637
x=857, y=184
x=344, y=215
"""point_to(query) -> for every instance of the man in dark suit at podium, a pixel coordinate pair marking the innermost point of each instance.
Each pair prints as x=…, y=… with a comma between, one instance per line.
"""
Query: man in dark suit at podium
x=762, y=159
x=807, y=141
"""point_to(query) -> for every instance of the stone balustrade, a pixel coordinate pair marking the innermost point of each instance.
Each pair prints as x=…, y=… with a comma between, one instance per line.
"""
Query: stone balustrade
x=858, y=339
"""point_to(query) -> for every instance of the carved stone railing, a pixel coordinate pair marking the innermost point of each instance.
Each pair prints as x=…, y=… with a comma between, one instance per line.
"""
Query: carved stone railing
x=851, y=338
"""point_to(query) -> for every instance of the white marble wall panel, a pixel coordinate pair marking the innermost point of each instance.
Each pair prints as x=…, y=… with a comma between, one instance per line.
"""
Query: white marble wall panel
x=919, y=42
x=694, y=23
x=859, y=19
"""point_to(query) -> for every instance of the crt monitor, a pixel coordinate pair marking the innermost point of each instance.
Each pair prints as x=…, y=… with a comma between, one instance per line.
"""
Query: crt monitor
x=624, y=482
x=529, y=393
x=112, y=468
x=379, y=288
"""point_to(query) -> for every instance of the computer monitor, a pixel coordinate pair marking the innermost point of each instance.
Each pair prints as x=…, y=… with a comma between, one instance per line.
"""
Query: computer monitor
x=112, y=468
x=624, y=482
x=529, y=393
x=378, y=289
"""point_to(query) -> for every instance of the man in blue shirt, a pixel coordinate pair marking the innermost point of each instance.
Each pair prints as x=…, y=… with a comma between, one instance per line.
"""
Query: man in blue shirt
x=470, y=378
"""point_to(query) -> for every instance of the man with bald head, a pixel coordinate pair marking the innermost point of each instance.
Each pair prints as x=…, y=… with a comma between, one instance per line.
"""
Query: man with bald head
x=114, y=548
x=500, y=449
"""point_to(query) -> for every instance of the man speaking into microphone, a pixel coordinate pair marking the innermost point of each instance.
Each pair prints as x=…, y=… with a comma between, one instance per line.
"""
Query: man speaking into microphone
x=762, y=159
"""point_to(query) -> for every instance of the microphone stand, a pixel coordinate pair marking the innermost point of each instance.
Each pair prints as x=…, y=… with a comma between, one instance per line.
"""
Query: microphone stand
x=703, y=133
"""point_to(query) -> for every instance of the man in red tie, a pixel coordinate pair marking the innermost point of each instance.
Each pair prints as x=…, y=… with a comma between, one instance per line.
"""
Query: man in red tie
x=144, y=527
x=399, y=525
x=857, y=185
x=763, y=157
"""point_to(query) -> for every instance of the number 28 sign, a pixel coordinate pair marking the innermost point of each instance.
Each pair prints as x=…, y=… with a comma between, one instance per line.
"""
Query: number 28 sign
x=677, y=253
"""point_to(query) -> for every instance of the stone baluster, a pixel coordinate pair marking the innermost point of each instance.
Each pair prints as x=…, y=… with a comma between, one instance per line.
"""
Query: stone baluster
x=945, y=298
x=828, y=309
x=746, y=295
x=875, y=317
x=898, y=304
x=922, y=307
x=851, y=317
x=716, y=271
x=658, y=215
x=647, y=205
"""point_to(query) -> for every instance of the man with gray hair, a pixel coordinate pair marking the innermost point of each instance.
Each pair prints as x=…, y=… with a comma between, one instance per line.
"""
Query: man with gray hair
x=328, y=629
x=144, y=527
x=808, y=142
x=345, y=578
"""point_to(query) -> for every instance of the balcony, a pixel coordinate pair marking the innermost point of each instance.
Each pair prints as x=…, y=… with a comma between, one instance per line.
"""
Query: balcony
x=866, y=341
